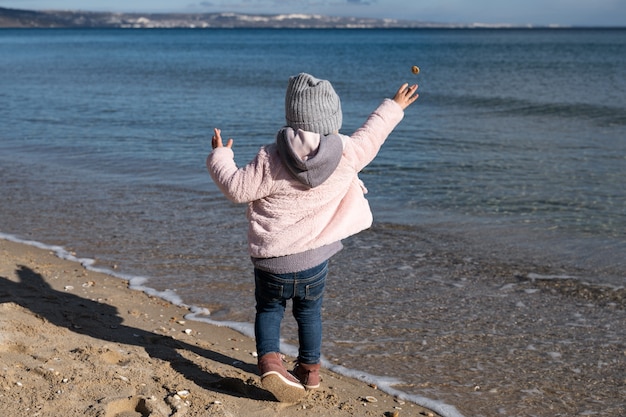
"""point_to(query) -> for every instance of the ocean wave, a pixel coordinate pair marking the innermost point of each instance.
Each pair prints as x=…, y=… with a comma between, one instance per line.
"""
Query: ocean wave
x=571, y=286
x=600, y=115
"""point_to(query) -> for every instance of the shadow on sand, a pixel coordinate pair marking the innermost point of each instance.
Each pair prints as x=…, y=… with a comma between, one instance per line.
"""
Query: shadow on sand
x=98, y=320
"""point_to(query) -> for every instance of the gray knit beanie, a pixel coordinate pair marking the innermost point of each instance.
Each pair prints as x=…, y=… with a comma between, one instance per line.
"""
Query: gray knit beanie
x=311, y=104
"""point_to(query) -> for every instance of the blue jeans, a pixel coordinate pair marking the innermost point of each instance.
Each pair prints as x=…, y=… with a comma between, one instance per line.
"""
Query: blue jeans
x=306, y=289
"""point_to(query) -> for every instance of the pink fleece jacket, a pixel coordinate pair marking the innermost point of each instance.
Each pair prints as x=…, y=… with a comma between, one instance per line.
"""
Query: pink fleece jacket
x=284, y=216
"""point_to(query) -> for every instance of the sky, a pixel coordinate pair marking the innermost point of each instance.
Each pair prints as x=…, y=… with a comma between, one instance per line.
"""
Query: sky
x=519, y=12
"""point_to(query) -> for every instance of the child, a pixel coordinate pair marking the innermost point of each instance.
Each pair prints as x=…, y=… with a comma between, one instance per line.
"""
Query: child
x=304, y=197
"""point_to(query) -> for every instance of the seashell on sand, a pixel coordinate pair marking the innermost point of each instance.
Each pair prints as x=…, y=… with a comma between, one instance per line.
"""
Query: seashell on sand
x=183, y=394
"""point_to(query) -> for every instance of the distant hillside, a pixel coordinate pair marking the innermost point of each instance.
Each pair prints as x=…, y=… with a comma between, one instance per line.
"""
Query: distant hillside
x=12, y=18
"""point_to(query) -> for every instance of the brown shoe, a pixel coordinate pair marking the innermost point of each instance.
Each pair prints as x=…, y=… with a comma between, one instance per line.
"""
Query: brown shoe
x=309, y=375
x=276, y=379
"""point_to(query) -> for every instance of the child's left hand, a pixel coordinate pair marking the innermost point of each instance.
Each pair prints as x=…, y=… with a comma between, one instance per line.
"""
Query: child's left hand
x=406, y=95
x=216, y=141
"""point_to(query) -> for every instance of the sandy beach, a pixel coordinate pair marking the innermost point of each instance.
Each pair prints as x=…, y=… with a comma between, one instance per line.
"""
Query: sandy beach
x=75, y=342
x=492, y=281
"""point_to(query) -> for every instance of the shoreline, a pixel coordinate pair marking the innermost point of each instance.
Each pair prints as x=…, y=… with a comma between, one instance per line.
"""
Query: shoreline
x=77, y=341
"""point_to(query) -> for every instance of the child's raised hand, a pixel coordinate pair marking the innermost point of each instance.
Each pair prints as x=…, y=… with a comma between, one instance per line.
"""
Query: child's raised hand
x=406, y=95
x=216, y=141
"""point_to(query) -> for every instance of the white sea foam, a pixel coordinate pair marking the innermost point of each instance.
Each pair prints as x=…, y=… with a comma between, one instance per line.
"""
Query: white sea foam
x=135, y=282
x=532, y=276
x=203, y=315
x=196, y=313
x=386, y=384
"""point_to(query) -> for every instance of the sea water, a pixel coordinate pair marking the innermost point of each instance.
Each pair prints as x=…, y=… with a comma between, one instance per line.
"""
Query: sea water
x=493, y=278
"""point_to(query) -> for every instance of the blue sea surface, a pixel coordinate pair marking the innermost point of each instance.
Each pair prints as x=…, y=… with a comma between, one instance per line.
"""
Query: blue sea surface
x=505, y=176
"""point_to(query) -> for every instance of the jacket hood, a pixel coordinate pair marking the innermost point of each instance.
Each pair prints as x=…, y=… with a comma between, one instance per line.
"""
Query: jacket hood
x=310, y=157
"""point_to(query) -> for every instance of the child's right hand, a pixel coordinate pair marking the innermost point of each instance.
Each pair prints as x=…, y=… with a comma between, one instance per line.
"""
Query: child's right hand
x=216, y=141
x=406, y=95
